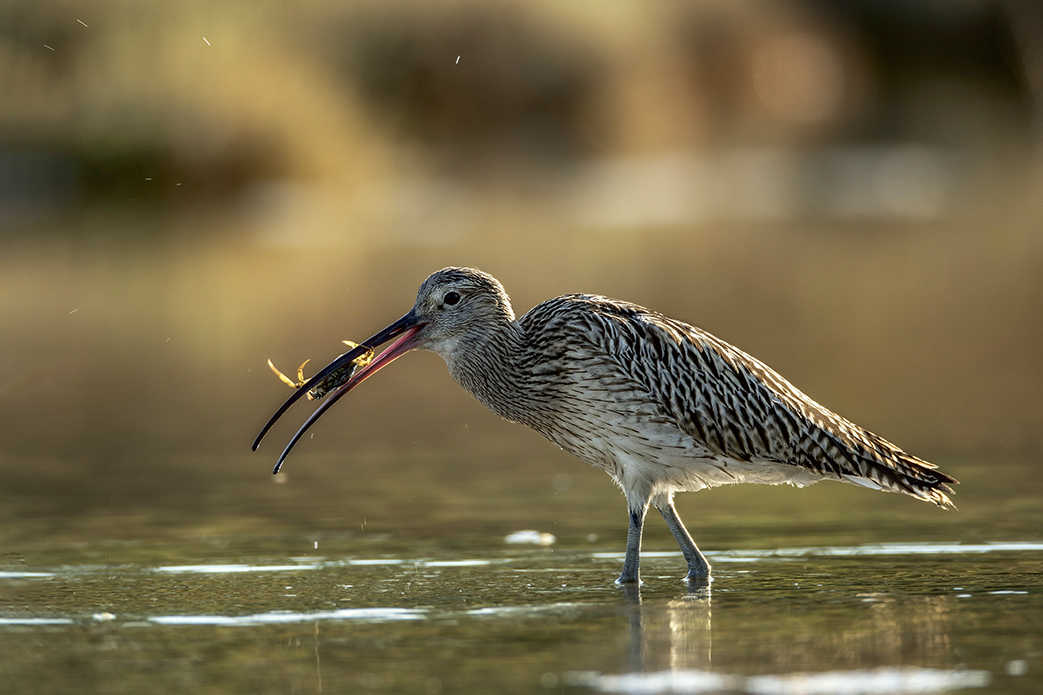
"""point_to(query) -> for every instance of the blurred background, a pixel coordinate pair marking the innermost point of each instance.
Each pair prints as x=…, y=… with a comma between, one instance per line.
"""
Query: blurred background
x=852, y=192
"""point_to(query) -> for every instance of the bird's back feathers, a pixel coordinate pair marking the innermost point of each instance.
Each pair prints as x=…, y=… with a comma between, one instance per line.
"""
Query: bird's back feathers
x=733, y=404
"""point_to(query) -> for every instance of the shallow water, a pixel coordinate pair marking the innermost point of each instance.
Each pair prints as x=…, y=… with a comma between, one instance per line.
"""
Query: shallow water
x=350, y=616
x=502, y=624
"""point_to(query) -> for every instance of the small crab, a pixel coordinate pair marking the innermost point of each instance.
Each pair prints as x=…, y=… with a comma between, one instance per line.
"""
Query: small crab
x=331, y=382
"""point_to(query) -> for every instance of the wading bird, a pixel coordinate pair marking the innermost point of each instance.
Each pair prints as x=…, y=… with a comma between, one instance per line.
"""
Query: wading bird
x=661, y=406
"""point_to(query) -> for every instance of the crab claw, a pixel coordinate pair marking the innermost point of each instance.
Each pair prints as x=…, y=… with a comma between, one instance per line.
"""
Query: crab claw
x=407, y=334
x=362, y=360
x=287, y=380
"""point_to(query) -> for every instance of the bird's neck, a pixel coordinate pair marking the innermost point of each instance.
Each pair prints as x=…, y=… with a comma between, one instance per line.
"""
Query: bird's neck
x=487, y=367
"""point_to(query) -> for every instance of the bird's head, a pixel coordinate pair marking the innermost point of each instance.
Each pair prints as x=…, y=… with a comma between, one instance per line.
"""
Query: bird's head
x=456, y=309
x=459, y=307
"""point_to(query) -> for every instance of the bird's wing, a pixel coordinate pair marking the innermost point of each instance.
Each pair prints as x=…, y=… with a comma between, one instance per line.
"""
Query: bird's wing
x=741, y=408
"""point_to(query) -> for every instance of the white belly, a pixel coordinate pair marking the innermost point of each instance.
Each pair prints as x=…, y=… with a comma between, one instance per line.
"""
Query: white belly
x=661, y=459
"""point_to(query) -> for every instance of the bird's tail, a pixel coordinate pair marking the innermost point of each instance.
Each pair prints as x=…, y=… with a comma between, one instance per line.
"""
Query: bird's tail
x=895, y=470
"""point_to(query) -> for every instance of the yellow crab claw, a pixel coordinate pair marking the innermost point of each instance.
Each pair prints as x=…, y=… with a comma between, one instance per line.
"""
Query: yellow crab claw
x=330, y=383
x=282, y=377
x=301, y=381
x=364, y=359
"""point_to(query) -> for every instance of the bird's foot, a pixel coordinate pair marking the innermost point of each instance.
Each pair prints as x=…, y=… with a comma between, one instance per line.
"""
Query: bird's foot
x=698, y=569
x=696, y=581
x=629, y=579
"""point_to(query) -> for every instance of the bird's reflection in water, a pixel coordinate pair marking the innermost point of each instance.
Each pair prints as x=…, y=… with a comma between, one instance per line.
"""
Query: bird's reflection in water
x=672, y=634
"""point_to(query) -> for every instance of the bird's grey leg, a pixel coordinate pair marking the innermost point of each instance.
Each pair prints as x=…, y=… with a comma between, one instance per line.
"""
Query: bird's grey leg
x=698, y=567
x=631, y=572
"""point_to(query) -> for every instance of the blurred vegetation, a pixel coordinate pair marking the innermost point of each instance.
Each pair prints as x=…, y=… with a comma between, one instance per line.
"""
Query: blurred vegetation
x=852, y=192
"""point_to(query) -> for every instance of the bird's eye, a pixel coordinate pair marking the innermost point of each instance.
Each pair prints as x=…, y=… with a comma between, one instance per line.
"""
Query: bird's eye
x=451, y=298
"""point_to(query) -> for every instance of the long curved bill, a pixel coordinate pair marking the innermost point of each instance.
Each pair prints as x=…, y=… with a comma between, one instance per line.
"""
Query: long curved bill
x=405, y=330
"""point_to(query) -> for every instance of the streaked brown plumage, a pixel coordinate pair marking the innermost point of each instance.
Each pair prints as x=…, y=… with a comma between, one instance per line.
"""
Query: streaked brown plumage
x=661, y=406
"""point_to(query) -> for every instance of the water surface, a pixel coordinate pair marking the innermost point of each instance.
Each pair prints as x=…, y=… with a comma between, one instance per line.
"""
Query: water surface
x=820, y=608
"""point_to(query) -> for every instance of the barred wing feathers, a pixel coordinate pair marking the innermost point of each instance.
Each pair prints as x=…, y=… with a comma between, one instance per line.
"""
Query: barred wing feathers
x=742, y=409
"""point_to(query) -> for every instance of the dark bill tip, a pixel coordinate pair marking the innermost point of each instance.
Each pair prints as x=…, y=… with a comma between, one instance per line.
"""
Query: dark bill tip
x=347, y=358
x=400, y=347
x=395, y=329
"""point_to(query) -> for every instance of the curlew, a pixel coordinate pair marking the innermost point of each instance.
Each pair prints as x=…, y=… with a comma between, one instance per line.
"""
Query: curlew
x=661, y=406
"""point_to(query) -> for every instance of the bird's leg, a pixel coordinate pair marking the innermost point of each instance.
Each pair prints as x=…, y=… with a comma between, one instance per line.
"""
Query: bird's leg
x=698, y=567
x=631, y=572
